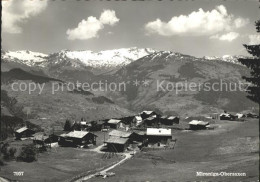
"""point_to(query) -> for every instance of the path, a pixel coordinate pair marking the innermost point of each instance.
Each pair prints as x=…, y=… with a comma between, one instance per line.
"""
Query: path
x=127, y=156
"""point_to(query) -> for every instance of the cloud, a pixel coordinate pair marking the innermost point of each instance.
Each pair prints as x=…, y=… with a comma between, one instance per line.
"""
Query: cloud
x=226, y=37
x=89, y=28
x=254, y=39
x=197, y=23
x=15, y=12
x=108, y=17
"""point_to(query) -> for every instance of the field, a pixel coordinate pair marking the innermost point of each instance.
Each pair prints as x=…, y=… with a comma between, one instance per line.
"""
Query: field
x=59, y=164
x=231, y=147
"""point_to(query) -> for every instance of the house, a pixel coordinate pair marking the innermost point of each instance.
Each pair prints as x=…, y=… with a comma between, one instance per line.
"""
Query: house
x=128, y=120
x=23, y=132
x=151, y=121
x=118, y=140
x=97, y=125
x=117, y=144
x=139, y=136
x=115, y=123
x=41, y=139
x=158, y=135
x=240, y=115
x=137, y=120
x=169, y=120
x=198, y=125
x=147, y=114
x=55, y=136
x=226, y=116
x=77, y=138
x=251, y=115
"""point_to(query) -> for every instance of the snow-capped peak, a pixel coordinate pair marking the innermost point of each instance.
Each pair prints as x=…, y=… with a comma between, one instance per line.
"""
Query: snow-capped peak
x=226, y=58
x=102, y=59
x=26, y=57
x=108, y=58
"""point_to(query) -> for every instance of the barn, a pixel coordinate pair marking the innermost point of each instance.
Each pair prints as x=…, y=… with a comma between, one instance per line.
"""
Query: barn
x=198, y=125
x=227, y=116
x=169, y=120
x=147, y=114
x=114, y=123
x=41, y=139
x=117, y=144
x=77, y=138
x=23, y=132
x=151, y=121
x=158, y=135
x=137, y=120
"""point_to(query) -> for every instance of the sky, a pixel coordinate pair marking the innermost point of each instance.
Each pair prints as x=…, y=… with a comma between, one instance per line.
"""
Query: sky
x=198, y=27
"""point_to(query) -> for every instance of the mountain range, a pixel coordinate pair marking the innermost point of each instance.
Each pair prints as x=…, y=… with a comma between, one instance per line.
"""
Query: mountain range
x=123, y=65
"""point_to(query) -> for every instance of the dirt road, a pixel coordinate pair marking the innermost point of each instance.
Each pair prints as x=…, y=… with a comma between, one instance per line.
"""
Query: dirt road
x=127, y=156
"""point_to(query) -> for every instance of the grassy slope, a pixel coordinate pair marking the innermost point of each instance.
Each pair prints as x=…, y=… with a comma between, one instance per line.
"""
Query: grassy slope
x=54, y=108
x=233, y=147
x=184, y=71
x=59, y=164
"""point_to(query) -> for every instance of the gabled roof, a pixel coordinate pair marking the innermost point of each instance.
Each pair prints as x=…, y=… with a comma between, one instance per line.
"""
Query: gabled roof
x=147, y=112
x=164, y=117
x=150, y=118
x=40, y=137
x=197, y=122
x=83, y=123
x=159, y=132
x=75, y=134
x=117, y=140
x=20, y=130
x=172, y=117
x=240, y=115
x=114, y=121
x=225, y=114
x=118, y=133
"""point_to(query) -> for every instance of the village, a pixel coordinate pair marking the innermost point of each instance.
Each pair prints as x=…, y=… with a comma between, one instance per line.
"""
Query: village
x=122, y=138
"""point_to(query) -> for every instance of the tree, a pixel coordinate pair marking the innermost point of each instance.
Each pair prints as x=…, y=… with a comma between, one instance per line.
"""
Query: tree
x=28, y=154
x=253, y=63
x=67, y=126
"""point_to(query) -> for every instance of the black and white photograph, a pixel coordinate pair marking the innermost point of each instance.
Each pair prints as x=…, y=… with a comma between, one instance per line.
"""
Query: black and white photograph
x=130, y=91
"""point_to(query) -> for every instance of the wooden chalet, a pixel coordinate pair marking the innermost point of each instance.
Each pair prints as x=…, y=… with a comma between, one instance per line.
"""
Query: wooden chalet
x=227, y=116
x=169, y=120
x=77, y=138
x=114, y=123
x=147, y=114
x=117, y=144
x=151, y=121
x=118, y=140
x=23, y=132
x=198, y=125
x=137, y=120
x=158, y=135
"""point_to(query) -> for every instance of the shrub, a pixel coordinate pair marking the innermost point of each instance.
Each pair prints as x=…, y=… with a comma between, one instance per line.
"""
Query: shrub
x=28, y=154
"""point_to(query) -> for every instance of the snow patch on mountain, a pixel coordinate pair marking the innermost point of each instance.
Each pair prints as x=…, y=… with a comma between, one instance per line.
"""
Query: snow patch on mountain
x=109, y=58
x=226, y=58
x=26, y=57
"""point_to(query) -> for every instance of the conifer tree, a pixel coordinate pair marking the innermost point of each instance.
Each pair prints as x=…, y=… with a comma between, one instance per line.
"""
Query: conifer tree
x=253, y=63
